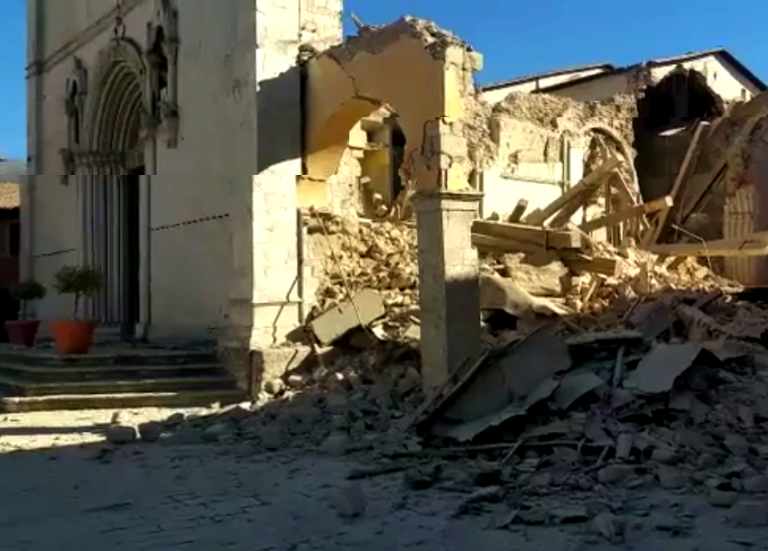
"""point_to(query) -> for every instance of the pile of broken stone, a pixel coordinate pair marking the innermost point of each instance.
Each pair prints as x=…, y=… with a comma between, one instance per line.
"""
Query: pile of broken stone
x=589, y=384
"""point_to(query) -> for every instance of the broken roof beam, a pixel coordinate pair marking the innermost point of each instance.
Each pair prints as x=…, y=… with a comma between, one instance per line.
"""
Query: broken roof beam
x=544, y=238
x=517, y=214
x=540, y=216
x=627, y=214
x=749, y=246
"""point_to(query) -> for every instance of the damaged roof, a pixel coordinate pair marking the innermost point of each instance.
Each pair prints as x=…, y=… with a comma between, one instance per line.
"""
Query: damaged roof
x=604, y=67
x=661, y=62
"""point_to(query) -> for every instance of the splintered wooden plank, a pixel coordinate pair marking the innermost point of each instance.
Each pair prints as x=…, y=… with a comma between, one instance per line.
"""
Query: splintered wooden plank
x=652, y=236
x=539, y=216
x=518, y=212
x=544, y=238
x=500, y=245
x=563, y=218
x=627, y=214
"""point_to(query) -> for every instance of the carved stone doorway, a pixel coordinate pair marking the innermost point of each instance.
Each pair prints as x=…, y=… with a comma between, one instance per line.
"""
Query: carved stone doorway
x=110, y=170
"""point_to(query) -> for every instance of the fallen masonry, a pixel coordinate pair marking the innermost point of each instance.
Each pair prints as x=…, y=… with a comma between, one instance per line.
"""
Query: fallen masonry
x=593, y=386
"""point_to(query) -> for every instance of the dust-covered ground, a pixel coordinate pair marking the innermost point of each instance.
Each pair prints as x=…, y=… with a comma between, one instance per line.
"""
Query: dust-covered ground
x=63, y=487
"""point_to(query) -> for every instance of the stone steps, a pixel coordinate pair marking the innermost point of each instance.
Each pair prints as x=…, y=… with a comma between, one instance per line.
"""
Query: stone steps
x=21, y=404
x=40, y=380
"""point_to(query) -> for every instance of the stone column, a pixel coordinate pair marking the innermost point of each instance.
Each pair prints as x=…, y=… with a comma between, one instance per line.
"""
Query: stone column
x=449, y=289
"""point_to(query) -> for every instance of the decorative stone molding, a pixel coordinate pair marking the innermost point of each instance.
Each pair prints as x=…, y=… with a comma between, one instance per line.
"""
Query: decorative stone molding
x=161, y=53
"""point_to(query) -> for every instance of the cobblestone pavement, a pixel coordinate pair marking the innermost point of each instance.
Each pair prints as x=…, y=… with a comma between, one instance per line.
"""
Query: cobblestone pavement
x=60, y=492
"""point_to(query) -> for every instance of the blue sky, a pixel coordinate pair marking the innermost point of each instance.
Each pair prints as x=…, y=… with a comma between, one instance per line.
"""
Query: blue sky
x=517, y=37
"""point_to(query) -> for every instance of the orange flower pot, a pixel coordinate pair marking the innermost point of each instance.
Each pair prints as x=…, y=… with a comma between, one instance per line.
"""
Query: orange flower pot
x=23, y=332
x=73, y=336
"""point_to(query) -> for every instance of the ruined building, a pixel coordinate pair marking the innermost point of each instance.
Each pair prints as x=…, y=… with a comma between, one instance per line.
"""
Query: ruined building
x=181, y=156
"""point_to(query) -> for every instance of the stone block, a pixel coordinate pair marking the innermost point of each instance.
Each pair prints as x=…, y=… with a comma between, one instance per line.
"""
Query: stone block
x=273, y=363
x=364, y=308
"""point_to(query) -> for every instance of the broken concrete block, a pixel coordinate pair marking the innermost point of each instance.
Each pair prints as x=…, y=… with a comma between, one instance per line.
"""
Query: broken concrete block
x=624, y=445
x=150, y=431
x=665, y=456
x=749, y=513
x=609, y=526
x=215, y=432
x=613, y=474
x=121, y=434
x=670, y=478
x=337, y=443
x=360, y=311
x=573, y=387
x=350, y=501
x=569, y=515
x=722, y=498
x=659, y=369
x=756, y=484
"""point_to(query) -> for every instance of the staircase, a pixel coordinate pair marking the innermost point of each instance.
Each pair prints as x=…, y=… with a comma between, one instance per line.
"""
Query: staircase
x=42, y=380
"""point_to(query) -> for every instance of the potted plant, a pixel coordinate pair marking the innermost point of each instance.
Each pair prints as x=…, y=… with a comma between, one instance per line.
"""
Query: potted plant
x=24, y=331
x=75, y=336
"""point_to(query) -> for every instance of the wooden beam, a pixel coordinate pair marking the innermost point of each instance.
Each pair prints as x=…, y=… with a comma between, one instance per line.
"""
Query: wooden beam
x=749, y=246
x=538, y=217
x=563, y=218
x=500, y=245
x=627, y=214
x=576, y=261
x=580, y=263
x=652, y=236
x=518, y=211
x=544, y=238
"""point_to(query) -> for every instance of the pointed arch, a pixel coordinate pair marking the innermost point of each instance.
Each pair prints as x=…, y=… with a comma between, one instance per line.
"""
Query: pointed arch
x=117, y=105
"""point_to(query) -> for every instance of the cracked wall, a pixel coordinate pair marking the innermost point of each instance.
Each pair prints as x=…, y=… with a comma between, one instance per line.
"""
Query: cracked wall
x=424, y=75
x=543, y=143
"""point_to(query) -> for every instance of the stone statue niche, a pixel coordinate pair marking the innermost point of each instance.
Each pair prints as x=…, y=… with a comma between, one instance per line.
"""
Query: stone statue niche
x=76, y=89
x=161, y=57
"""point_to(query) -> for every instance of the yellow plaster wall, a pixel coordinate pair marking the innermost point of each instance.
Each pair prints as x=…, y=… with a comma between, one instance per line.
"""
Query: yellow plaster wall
x=425, y=92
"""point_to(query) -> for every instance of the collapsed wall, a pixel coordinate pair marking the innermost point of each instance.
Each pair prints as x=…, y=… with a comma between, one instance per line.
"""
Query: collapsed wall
x=547, y=142
x=567, y=116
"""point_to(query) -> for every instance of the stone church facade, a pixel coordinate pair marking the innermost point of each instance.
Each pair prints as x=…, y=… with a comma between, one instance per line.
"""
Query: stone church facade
x=143, y=135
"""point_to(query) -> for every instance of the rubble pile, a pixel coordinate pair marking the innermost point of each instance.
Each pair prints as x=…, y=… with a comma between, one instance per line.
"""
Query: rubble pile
x=360, y=254
x=676, y=398
x=350, y=402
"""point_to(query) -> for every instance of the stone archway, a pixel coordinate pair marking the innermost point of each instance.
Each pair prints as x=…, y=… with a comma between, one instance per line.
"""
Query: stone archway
x=425, y=75
x=111, y=163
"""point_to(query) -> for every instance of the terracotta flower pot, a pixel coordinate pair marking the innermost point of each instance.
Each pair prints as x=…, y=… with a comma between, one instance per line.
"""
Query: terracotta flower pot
x=73, y=336
x=23, y=332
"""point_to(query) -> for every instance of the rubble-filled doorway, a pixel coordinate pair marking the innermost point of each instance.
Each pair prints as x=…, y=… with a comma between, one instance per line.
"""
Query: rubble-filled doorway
x=426, y=75
x=667, y=115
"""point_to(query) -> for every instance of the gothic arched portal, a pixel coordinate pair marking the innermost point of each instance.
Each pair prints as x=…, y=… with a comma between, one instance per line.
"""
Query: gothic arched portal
x=114, y=122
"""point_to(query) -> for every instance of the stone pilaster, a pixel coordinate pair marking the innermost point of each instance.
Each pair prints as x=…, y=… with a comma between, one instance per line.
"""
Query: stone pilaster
x=266, y=299
x=449, y=288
